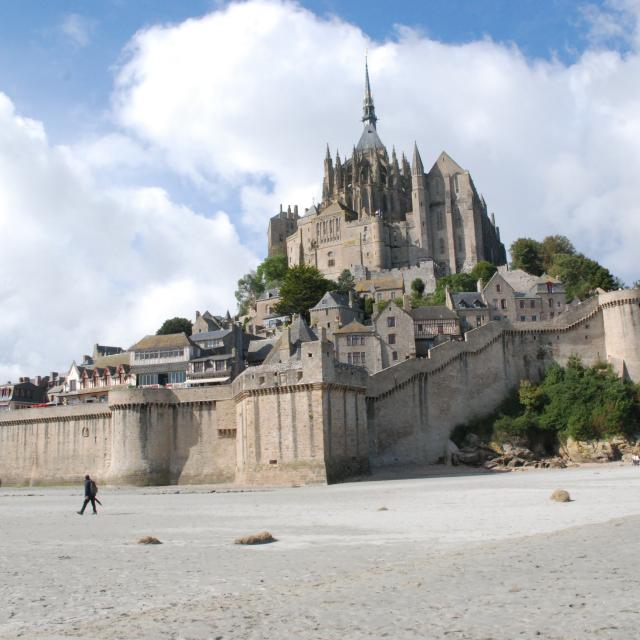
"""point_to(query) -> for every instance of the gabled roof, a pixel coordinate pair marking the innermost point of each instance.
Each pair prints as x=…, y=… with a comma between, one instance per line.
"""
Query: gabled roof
x=259, y=349
x=468, y=300
x=162, y=342
x=336, y=207
x=520, y=281
x=299, y=331
x=354, y=327
x=447, y=165
x=330, y=300
x=438, y=312
x=296, y=333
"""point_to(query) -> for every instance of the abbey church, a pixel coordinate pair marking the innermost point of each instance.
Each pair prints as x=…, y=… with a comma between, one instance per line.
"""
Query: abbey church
x=379, y=213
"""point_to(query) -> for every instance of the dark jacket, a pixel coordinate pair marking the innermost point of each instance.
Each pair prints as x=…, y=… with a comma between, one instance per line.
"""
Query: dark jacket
x=87, y=489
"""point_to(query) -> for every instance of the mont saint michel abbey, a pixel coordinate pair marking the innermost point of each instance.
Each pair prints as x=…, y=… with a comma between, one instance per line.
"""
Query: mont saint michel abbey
x=379, y=213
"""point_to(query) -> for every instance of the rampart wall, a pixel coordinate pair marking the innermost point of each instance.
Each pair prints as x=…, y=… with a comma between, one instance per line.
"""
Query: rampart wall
x=313, y=419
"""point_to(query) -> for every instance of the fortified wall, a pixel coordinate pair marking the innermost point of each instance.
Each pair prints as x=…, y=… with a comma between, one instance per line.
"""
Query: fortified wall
x=313, y=420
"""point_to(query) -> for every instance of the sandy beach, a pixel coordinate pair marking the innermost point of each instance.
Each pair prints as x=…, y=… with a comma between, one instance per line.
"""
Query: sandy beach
x=474, y=556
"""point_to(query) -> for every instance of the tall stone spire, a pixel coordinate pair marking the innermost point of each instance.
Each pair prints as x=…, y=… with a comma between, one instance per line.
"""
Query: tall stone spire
x=368, y=110
x=418, y=168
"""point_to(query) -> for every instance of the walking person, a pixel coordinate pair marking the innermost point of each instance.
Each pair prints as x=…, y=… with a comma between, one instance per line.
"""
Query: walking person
x=90, y=490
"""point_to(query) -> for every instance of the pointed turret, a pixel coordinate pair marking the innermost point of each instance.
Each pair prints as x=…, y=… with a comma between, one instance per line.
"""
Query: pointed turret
x=418, y=168
x=406, y=167
x=368, y=109
x=327, y=183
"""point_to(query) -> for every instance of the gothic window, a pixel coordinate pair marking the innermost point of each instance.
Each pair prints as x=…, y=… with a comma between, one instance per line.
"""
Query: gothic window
x=439, y=220
x=441, y=246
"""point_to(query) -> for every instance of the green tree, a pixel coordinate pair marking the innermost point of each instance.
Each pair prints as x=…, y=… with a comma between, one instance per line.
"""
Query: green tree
x=272, y=270
x=301, y=289
x=525, y=255
x=553, y=245
x=456, y=282
x=174, y=325
x=346, y=282
x=367, y=307
x=581, y=275
x=417, y=287
x=483, y=270
x=249, y=289
x=269, y=275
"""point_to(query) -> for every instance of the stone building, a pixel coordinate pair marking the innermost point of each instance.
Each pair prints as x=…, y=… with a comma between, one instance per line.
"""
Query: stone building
x=432, y=325
x=162, y=360
x=304, y=417
x=381, y=289
x=22, y=394
x=395, y=326
x=334, y=310
x=469, y=306
x=359, y=345
x=379, y=212
x=521, y=297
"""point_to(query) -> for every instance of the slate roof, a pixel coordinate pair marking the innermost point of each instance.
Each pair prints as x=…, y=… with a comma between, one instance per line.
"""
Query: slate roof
x=439, y=312
x=218, y=334
x=259, y=349
x=162, y=342
x=354, y=327
x=468, y=300
x=369, y=139
x=331, y=300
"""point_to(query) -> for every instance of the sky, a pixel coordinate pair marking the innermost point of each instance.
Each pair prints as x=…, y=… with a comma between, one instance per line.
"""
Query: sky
x=144, y=145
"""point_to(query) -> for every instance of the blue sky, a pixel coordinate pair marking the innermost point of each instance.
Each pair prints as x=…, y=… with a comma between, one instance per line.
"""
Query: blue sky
x=51, y=76
x=144, y=145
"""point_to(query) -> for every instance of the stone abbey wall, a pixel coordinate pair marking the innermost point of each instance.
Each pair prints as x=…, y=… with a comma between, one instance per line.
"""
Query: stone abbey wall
x=313, y=419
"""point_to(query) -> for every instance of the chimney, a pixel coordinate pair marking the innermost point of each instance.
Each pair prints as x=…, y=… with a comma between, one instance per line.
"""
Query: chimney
x=53, y=375
x=20, y=380
x=295, y=210
x=38, y=381
x=479, y=286
x=406, y=302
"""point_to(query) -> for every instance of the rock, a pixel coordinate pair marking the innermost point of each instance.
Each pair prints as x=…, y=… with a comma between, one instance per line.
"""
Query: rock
x=471, y=457
x=149, y=540
x=560, y=495
x=471, y=440
x=596, y=451
x=264, y=537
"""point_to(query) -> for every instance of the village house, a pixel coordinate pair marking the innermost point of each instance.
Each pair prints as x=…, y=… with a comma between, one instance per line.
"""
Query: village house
x=334, y=310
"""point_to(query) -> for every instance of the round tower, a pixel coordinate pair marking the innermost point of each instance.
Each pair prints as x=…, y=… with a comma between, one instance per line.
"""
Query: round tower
x=621, y=315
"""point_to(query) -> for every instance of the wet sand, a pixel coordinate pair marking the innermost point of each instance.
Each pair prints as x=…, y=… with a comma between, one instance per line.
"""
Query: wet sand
x=474, y=556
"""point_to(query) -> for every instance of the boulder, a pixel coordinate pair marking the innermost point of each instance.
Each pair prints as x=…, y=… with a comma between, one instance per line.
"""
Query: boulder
x=596, y=451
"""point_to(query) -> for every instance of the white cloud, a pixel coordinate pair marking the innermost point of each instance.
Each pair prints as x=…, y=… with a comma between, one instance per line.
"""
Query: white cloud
x=77, y=29
x=244, y=100
x=81, y=263
x=251, y=93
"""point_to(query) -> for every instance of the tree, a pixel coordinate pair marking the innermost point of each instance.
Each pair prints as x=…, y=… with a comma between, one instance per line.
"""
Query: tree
x=553, y=245
x=417, y=286
x=525, y=255
x=346, y=282
x=272, y=270
x=301, y=289
x=581, y=275
x=250, y=287
x=174, y=325
x=269, y=275
x=483, y=270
